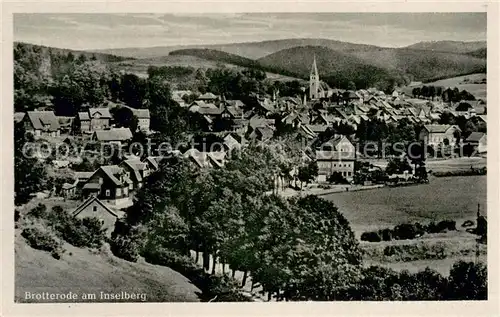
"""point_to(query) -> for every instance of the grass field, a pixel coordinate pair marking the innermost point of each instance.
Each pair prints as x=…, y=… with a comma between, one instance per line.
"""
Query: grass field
x=454, y=198
x=82, y=271
x=439, y=165
x=478, y=90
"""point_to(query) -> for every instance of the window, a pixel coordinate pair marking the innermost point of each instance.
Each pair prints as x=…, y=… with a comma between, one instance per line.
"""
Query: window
x=349, y=173
x=108, y=193
x=118, y=191
x=94, y=208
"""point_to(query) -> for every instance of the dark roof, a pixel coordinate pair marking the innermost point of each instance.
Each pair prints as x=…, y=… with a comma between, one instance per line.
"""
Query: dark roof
x=475, y=137
x=86, y=203
x=42, y=119
x=118, y=134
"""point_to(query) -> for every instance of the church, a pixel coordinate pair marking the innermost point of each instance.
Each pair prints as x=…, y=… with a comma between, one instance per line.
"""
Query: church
x=317, y=89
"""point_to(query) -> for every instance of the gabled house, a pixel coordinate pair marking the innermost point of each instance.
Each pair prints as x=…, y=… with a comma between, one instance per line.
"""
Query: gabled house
x=94, y=208
x=143, y=119
x=336, y=155
x=42, y=123
x=478, y=141
x=111, y=184
x=438, y=134
x=261, y=133
x=116, y=136
x=94, y=119
x=465, y=109
x=153, y=163
x=199, y=159
x=136, y=171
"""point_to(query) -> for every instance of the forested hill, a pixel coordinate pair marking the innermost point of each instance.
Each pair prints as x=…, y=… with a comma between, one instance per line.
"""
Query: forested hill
x=87, y=55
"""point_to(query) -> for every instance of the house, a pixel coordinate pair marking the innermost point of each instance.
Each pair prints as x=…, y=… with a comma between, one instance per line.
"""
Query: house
x=465, y=109
x=216, y=159
x=109, y=183
x=261, y=133
x=82, y=177
x=95, y=208
x=42, y=123
x=153, y=163
x=336, y=155
x=198, y=158
x=143, y=119
x=478, y=141
x=19, y=116
x=66, y=124
x=69, y=190
x=117, y=135
x=208, y=97
x=437, y=134
x=94, y=119
x=330, y=162
x=231, y=142
x=136, y=171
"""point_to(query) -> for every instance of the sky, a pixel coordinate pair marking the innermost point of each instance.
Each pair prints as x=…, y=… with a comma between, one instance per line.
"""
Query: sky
x=104, y=31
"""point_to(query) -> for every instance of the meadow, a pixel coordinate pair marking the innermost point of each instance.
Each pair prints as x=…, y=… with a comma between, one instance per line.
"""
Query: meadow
x=454, y=198
x=478, y=90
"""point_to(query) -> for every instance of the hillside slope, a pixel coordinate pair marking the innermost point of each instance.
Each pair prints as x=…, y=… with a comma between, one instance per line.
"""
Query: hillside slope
x=449, y=46
x=85, y=272
x=480, y=53
x=251, y=50
x=45, y=50
x=334, y=67
x=395, y=63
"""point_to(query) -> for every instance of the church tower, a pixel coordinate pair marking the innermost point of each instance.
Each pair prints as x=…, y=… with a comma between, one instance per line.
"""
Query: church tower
x=314, y=81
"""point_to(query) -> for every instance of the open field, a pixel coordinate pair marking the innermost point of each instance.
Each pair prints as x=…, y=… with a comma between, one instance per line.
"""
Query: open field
x=139, y=67
x=82, y=271
x=478, y=90
x=454, y=198
x=442, y=165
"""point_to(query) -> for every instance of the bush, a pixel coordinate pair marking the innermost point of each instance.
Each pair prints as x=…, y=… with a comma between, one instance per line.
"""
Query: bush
x=40, y=211
x=40, y=238
x=468, y=223
x=86, y=232
x=337, y=178
x=371, y=236
x=405, y=231
x=125, y=247
x=468, y=281
x=386, y=234
x=125, y=242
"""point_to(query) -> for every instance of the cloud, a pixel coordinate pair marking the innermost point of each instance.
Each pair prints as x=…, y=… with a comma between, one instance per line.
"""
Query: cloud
x=93, y=31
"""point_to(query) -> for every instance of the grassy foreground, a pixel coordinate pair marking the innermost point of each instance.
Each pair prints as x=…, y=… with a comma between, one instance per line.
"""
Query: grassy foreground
x=82, y=271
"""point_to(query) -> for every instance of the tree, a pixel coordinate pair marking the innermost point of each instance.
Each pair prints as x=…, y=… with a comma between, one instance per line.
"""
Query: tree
x=30, y=175
x=468, y=281
x=133, y=90
x=307, y=173
x=124, y=117
x=397, y=166
x=351, y=85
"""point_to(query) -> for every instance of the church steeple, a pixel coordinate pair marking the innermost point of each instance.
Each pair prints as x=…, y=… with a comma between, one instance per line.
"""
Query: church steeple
x=314, y=81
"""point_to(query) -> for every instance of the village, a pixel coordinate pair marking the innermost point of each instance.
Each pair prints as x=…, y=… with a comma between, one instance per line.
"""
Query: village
x=309, y=116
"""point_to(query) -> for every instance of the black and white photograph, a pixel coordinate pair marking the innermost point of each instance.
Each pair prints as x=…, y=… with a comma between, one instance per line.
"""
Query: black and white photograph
x=250, y=157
